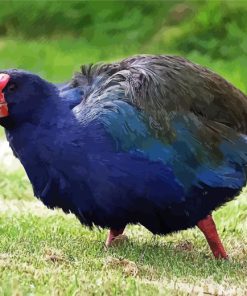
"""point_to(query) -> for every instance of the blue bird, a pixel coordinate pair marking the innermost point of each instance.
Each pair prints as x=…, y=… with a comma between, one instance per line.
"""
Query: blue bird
x=155, y=140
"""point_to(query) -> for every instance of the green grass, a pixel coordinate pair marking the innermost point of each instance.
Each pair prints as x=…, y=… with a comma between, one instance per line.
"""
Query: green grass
x=51, y=254
x=14, y=185
x=56, y=60
x=1, y=133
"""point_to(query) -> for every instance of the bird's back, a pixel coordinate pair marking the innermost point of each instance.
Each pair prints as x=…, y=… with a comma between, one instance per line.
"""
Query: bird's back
x=161, y=85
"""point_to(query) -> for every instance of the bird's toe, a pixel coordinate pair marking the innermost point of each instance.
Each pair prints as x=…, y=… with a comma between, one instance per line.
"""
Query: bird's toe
x=117, y=241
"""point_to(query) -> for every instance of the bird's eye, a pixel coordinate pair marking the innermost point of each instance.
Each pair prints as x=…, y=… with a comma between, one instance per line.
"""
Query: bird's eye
x=12, y=87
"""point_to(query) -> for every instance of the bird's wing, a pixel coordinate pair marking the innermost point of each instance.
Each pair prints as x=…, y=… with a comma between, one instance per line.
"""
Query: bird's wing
x=161, y=88
x=70, y=94
x=159, y=85
x=198, y=149
x=193, y=159
x=144, y=174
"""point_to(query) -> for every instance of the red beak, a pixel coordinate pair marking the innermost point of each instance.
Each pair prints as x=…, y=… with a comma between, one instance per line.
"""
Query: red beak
x=4, y=79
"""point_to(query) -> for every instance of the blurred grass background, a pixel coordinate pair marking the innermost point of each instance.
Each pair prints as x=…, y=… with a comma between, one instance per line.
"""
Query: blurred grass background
x=54, y=38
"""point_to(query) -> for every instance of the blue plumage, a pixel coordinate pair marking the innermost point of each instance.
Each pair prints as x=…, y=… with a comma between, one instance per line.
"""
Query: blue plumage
x=91, y=149
x=70, y=95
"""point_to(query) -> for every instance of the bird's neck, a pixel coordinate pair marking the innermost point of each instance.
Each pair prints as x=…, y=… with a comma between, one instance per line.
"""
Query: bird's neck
x=57, y=142
x=36, y=142
x=42, y=125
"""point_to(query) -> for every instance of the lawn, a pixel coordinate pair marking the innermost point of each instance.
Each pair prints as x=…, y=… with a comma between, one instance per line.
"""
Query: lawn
x=44, y=252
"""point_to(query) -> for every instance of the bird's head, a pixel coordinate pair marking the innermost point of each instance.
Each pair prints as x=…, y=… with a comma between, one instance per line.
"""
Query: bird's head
x=22, y=94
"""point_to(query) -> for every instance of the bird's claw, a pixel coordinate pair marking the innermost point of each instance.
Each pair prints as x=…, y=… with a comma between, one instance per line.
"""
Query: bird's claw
x=116, y=241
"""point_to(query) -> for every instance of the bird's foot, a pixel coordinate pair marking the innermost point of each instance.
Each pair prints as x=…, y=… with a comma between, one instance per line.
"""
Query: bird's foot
x=116, y=238
x=207, y=226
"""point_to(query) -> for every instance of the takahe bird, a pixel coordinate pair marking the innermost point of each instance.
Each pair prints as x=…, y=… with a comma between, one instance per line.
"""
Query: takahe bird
x=155, y=140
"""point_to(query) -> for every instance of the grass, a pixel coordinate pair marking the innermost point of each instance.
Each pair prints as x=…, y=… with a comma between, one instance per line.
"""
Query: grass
x=49, y=253
x=1, y=133
x=14, y=185
x=56, y=60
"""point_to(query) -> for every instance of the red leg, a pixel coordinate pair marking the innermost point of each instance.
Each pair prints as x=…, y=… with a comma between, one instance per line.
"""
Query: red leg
x=207, y=226
x=113, y=234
